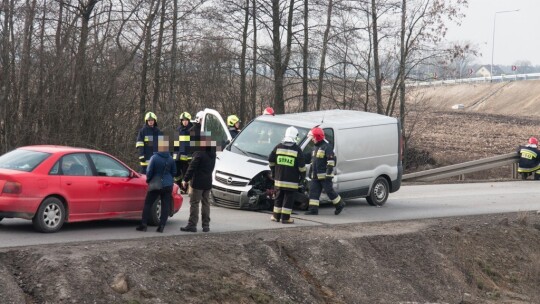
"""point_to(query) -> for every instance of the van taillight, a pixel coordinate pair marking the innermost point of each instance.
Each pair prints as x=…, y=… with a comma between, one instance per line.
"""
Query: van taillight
x=12, y=188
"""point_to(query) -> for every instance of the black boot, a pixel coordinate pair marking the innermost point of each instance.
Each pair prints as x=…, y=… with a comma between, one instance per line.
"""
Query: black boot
x=189, y=229
x=339, y=207
x=312, y=211
x=160, y=228
x=141, y=228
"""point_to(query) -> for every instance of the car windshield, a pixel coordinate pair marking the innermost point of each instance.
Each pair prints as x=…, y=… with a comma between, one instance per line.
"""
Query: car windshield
x=22, y=160
x=259, y=138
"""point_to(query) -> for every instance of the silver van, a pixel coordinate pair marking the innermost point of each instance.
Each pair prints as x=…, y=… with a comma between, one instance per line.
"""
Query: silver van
x=367, y=147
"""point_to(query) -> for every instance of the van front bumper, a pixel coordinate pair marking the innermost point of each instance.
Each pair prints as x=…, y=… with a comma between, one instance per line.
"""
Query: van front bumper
x=235, y=199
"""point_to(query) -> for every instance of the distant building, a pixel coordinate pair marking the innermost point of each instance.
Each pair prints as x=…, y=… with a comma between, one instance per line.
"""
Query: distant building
x=485, y=71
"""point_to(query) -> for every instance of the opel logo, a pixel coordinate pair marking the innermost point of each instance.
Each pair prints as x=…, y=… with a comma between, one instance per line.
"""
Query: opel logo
x=229, y=180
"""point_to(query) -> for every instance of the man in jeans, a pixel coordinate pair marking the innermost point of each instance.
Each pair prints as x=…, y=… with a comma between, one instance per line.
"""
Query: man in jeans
x=199, y=173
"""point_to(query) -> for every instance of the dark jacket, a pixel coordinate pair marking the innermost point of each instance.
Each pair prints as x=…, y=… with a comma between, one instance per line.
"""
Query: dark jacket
x=233, y=131
x=181, y=146
x=529, y=158
x=200, y=170
x=157, y=167
x=147, y=143
x=288, y=166
x=323, y=161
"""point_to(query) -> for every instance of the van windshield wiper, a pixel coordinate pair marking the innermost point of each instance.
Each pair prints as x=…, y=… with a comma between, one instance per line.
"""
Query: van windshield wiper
x=242, y=151
x=259, y=155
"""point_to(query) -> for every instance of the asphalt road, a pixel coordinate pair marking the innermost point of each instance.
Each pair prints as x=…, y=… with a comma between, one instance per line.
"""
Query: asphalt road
x=410, y=202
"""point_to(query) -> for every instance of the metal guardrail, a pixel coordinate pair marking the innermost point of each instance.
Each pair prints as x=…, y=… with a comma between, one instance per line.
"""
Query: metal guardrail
x=500, y=78
x=464, y=168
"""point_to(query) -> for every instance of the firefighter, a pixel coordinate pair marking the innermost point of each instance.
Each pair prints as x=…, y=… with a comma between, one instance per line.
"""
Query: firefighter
x=529, y=158
x=181, y=154
x=268, y=111
x=288, y=168
x=234, y=125
x=147, y=140
x=321, y=172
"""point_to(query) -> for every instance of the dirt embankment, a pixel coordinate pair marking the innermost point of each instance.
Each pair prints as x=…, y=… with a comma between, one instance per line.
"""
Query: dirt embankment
x=485, y=259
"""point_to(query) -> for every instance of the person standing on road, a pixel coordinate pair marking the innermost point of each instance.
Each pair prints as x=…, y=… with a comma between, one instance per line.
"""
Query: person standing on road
x=199, y=173
x=160, y=164
x=321, y=172
x=529, y=159
x=234, y=125
x=147, y=140
x=288, y=168
x=181, y=155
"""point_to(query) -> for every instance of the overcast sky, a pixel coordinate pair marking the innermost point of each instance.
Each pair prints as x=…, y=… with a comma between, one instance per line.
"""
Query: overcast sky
x=517, y=34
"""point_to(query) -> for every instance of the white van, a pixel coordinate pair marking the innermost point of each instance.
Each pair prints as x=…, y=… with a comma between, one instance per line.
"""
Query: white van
x=367, y=147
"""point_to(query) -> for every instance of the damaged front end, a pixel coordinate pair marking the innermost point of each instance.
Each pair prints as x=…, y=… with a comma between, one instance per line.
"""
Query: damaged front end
x=262, y=194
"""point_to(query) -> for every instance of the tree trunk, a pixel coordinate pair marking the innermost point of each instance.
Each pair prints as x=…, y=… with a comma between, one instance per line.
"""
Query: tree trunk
x=243, y=93
x=402, y=62
x=172, y=83
x=305, y=53
x=279, y=106
x=323, y=54
x=5, y=86
x=281, y=61
x=25, y=66
x=254, y=73
x=376, y=65
x=157, y=59
x=143, y=90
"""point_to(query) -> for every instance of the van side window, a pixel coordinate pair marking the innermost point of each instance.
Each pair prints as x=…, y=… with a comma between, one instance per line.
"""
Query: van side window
x=328, y=135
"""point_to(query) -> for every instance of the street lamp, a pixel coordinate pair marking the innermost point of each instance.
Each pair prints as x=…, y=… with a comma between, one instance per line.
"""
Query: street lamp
x=493, y=40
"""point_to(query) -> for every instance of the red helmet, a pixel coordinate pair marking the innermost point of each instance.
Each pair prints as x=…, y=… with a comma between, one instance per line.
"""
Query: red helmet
x=317, y=133
x=268, y=111
x=533, y=141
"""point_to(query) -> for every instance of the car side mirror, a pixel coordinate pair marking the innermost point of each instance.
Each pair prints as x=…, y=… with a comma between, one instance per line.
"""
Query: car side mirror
x=133, y=175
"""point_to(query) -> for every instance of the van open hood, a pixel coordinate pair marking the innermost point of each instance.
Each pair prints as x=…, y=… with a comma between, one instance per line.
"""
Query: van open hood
x=239, y=165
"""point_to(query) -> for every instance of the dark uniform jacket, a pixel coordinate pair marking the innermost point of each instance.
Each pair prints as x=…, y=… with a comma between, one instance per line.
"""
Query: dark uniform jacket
x=323, y=161
x=529, y=158
x=147, y=143
x=233, y=131
x=181, y=146
x=200, y=170
x=288, y=166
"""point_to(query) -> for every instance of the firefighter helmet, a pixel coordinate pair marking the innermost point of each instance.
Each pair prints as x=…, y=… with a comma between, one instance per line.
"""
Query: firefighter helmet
x=290, y=134
x=533, y=141
x=185, y=115
x=268, y=111
x=150, y=115
x=232, y=119
x=317, y=133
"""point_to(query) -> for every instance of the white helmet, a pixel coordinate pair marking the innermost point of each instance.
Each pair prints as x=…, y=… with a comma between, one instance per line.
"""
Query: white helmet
x=199, y=116
x=290, y=135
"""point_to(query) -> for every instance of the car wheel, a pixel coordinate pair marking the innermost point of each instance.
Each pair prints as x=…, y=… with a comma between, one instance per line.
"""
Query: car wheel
x=50, y=216
x=155, y=213
x=379, y=192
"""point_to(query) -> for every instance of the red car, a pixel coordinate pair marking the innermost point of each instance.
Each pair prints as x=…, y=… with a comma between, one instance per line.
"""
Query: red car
x=54, y=184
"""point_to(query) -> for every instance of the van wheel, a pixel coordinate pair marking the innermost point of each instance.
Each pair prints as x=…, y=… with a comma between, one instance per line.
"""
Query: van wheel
x=50, y=215
x=155, y=213
x=379, y=192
